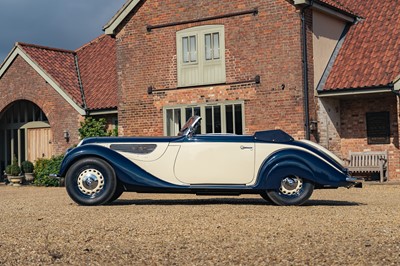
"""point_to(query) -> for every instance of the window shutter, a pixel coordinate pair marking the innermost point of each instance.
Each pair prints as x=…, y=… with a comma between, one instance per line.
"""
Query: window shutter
x=201, y=55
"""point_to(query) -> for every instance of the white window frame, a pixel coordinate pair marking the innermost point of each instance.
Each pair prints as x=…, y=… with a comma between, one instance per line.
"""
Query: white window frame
x=197, y=70
x=202, y=107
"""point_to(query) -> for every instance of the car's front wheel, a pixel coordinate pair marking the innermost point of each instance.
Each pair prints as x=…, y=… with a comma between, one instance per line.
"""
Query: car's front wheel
x=91, y=181
x=118, y=192
x=293, y=190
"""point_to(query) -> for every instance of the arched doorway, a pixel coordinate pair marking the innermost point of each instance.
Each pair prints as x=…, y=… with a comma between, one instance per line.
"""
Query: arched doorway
x=24, y=132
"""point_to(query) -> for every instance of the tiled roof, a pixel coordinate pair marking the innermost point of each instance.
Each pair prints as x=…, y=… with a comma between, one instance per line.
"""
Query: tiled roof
x=370, y=55
x=340, y=5
x=97, y=65
x=59, y=64
x=97, y=68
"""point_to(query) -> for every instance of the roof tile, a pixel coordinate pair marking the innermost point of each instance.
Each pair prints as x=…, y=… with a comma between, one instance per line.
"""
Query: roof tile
x=59, y=64
x=370, y=55
x=97, y=67
x=97, y=64
x=339, y=5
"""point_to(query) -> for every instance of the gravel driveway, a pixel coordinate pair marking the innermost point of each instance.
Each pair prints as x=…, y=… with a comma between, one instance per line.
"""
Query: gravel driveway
x=42, y=226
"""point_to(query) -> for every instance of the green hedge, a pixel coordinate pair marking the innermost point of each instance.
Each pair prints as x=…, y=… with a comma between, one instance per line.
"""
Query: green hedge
x=45, y=167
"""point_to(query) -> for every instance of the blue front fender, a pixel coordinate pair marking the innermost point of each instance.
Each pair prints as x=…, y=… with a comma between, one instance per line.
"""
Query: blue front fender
x=126, y=171
x=301, y=163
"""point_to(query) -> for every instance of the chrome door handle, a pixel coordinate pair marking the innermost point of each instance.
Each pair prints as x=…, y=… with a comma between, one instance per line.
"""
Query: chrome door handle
x=246, y=148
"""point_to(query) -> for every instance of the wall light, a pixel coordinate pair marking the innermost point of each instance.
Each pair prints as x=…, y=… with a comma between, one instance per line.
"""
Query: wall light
x=314, y=126
x=66, y=135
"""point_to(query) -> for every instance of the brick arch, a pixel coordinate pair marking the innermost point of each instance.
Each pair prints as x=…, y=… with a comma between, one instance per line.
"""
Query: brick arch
x=24, y=133
x=22, y=82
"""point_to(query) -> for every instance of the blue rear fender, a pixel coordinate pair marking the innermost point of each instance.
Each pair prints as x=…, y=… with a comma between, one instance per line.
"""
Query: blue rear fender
x=125, y=170
x=301, y=163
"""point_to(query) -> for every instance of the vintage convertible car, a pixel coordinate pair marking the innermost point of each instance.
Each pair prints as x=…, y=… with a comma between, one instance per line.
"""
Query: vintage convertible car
x=269, y=163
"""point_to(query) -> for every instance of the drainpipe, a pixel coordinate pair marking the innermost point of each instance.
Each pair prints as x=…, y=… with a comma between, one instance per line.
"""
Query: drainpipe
x=305, y=70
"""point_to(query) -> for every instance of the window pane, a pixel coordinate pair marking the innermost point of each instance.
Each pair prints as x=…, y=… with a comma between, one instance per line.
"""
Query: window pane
x=229, y=118
x=208, y=46
x=378, y=128
x=188, y=113
x=238, y=119
x=196, y=111
x=217, y=119
x=193, y=49
x=173, y=119
x=216, y=45
x=169, y=119
x=209, y=120
x=185, y=49
x=177, y=121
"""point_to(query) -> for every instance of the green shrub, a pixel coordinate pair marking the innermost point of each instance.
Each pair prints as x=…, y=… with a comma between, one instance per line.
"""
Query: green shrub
x=92, y=127
x=13, y=169
x=45, y=167
x=27, y=167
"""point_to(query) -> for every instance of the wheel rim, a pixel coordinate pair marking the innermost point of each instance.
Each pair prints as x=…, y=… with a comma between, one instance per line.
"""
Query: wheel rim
x=90, y=182
x=291, y=186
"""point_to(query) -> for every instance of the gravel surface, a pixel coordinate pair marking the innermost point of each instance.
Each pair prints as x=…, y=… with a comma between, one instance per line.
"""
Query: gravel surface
x=42, y=226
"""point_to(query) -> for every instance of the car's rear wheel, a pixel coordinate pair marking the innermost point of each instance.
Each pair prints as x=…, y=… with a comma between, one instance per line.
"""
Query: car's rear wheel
x=293, y=190
x=91, y=181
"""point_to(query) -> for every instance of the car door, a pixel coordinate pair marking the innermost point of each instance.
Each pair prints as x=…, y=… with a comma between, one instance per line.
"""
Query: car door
x=215, y=160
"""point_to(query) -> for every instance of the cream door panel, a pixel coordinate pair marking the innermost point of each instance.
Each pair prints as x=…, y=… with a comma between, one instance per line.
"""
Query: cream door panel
x=215, y=163
x=163, y=168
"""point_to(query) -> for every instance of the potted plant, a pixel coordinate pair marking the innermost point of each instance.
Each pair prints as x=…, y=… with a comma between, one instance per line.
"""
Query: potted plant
x=27, y=169
x=13, y=173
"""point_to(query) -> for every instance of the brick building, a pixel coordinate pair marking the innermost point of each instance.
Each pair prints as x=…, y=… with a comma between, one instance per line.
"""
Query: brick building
x=358, y=91
x=239, y=64
x=327, y=70
x=46, y=92
x=236, y=63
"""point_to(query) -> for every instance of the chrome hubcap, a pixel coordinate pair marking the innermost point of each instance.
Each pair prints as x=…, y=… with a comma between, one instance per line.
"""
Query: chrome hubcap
x=90, y=182
x=291, y=185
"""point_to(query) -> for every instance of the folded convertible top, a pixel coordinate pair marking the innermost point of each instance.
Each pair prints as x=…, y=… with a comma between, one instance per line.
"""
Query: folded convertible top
x=278, y=136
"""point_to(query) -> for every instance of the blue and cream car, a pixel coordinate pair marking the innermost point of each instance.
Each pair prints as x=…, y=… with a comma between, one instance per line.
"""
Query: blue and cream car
x=268, y=163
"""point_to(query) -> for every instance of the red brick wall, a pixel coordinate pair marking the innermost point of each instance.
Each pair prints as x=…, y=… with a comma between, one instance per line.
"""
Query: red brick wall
x=353, y=128
x=22, y=82
x=268, y=44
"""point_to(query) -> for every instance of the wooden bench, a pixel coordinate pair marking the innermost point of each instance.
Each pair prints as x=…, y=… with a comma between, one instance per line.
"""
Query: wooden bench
x=369, y=162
